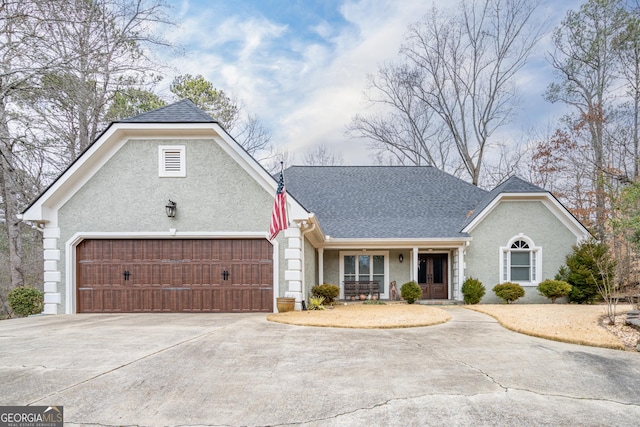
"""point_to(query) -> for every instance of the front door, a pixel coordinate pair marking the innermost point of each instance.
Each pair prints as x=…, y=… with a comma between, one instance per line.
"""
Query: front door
x=432, y=276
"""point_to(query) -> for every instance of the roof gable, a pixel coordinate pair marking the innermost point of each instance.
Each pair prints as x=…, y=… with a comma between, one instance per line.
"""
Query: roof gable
x=516, y=188
x=182, y=120
x=512, y=185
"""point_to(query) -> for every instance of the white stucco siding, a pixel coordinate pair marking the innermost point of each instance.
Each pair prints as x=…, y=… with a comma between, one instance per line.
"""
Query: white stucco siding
x=509, y=219
x=127, y=196
x=332, y=267
x=400, y=272
x=127, y=193
x=310, y=270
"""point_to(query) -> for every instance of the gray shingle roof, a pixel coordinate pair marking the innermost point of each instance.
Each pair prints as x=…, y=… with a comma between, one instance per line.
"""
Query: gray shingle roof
x=184, y=111
x=384, y=201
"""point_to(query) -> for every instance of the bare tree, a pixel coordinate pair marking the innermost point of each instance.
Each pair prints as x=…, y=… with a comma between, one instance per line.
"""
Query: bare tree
x=627, y=47
x=560, y=162
x=585, y=61
x=59, y=62
x=108, y=43
x=456, y=86
x=323, y=156
x=276, y=159
x=404, y=128
x=603, y=276
x=24, y=59
x=252, y=135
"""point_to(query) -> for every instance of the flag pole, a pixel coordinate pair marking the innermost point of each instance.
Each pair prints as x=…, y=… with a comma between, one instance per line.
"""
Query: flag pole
x=284, y=181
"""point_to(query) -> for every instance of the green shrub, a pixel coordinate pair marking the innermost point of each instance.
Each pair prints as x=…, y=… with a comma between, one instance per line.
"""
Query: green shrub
x=26, y=300
x=554, y=289
x=328, y=291
x=316, y=302
x=410, y=292
x=508, y=291
x=582, y=271
x=472, y=290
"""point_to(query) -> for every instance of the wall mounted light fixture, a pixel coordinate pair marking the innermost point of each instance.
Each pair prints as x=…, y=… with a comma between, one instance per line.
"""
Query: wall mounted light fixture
x=400, y=258
x=171, y=209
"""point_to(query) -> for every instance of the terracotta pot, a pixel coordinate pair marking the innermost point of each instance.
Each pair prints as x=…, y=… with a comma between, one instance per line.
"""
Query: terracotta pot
x=285, y=304
x=363, y=297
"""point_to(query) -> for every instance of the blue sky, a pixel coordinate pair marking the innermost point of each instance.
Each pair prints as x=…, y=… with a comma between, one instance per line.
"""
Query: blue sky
x=301, y=65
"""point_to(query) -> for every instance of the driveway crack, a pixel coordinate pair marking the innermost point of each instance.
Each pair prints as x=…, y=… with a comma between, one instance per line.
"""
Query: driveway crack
x=566, y=396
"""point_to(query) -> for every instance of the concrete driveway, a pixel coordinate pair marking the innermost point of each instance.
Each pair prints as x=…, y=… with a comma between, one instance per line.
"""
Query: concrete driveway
x=224, y=369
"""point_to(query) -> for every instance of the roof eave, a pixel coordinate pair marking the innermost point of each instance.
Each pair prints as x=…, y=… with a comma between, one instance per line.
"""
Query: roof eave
x=394, y=243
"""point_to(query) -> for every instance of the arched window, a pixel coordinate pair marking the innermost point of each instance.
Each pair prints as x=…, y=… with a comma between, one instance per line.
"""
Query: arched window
x=520, y=261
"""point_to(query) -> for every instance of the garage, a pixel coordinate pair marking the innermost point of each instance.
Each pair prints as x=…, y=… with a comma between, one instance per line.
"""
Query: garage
x=174, y=275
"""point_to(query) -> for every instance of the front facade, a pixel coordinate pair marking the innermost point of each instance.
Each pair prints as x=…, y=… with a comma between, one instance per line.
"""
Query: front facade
x=113, y=244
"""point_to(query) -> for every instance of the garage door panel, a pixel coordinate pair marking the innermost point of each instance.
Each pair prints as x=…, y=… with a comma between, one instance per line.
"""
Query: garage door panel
x=85, y=299
x=204, y=300
x=174, y=275
x=110, y=300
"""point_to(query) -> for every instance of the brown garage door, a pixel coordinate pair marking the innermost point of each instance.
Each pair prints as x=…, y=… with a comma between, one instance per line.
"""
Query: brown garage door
x=221, y=275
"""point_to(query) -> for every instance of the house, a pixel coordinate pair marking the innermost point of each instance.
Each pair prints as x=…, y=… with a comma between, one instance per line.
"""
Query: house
x=166, y=212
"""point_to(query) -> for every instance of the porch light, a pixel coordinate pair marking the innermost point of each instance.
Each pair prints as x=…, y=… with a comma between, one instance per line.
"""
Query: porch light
x=400, y=258
x=171, y=209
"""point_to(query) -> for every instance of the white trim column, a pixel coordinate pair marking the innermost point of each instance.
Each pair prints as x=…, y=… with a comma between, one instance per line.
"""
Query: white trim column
x=320, y=266
x=52, y=276
x=457, y=286
x=414, y=264
x=293, y=273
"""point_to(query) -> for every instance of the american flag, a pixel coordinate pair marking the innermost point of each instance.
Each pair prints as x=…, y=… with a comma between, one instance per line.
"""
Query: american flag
x=279, y=213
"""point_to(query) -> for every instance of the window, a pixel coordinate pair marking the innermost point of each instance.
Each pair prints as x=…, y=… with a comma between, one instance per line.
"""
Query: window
x=365, y=266
x=520, y=261
x=171, y=161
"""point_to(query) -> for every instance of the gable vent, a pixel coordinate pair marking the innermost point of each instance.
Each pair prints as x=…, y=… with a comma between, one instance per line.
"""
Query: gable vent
x=172, y=161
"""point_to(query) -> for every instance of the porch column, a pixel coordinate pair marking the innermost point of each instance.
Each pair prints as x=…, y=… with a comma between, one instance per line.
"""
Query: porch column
x=293, y=273
x=461, y=267
x=320, y=266
x=52, y=276
x=414, y=264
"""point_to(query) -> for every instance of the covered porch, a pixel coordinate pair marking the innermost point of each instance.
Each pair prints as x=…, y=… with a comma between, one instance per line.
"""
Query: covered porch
x=437, y=267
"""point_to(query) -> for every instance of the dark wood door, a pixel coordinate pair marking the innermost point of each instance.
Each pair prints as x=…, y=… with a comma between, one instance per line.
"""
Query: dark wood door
x=432, y=276
x=198, y=275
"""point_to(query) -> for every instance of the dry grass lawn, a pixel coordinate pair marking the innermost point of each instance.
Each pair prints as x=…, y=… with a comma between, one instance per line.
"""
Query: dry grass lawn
x=577, y=324
x=366, y=316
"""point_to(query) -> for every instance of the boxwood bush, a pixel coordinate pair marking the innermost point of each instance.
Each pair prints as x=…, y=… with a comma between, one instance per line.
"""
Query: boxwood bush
x=410, y=292
x=26, y=300
x=472, y=290
x=327, y=290
x=508, y=291
x=554, y=289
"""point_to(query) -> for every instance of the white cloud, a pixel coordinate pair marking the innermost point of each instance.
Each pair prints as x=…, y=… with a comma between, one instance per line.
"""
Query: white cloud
x=334, y=93
x=304, y=89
